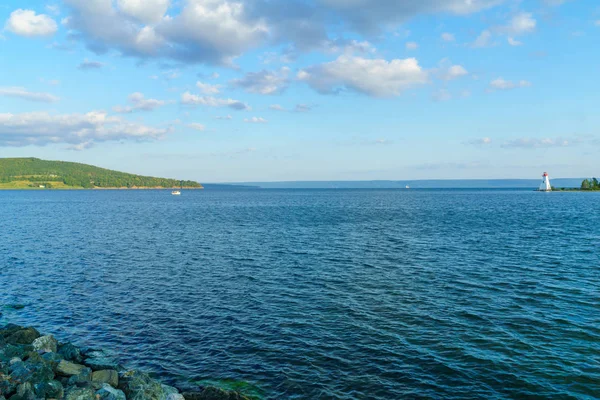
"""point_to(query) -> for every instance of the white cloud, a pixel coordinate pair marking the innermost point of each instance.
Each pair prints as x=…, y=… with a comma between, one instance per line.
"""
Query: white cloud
x=277, y=107
x=264, y=82
x=483, y=40
x=441, y=95
x=139, y=103
x=224, y=117
x=145, y=11
x=374, y=15
x=374, y=77
x=514, y=42
x=197, y=31
x=451, y=72
x=255, y=120
x=194, y=100
x=502, y=84
x=197, y=126
x=42, y=128
x=597, y=23
x=207, y=88
x=485, y=141
x=22, y=93
x=28, y=23
x=412, y=45
x=448, y=37
x=348, y=47
x=536, y=143
x=303, y=108
x=520, y=24
x=89, y=65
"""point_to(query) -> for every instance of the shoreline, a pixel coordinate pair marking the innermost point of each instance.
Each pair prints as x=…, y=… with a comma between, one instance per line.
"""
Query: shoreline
x=37, y=366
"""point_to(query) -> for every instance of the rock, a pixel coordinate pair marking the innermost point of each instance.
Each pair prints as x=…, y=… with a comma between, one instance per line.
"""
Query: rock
x=140, y=386
x=7, y=384
x=45, y=344
x=50, y=390
x=77, y=393
x=68, y=368
x=99, y=360
x=109, y=376
x=25, y=391
x=70, y=353
x=23, y=336
x=84, y=376
x=34, y=372
x=14, y=360
x=213, y=393
x=53, y=359
x=107, y=392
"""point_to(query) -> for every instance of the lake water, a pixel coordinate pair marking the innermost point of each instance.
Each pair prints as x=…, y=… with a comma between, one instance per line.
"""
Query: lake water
x=317, y=294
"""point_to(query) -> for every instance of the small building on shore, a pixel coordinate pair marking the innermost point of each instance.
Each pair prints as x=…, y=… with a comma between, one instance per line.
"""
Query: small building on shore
x=545, y=185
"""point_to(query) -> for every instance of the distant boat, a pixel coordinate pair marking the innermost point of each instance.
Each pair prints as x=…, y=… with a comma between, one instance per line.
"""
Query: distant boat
x=178, y=192
x=545, y=185
x=407, y=187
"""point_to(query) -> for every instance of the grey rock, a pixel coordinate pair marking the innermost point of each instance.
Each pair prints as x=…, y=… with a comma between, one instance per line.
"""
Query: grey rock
x=25, y=391
x=23, y=336
x=25, y=371
x=70, y=353
x=84, y=376
x=14, y=360
x=140, y=386
x=99, y=360
x=45, y=344
x=109, y=376
x=214, y=393
x=77, y=393
x=107, y=392
x=68, y=368
x=53, y=359
x=50, y=390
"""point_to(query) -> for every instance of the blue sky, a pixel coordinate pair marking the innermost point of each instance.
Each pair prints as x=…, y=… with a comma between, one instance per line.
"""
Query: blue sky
x=257, y=90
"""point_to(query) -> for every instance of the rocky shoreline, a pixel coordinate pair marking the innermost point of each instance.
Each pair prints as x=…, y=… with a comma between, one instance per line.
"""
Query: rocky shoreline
x=35, y=366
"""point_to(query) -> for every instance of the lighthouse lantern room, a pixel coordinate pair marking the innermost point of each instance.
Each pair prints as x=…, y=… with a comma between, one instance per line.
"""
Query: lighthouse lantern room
x=545, y=185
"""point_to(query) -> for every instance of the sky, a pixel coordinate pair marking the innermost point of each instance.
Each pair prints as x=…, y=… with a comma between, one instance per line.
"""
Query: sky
x=279, y=90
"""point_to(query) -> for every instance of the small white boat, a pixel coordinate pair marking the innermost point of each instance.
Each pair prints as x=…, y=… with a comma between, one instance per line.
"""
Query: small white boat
x=176, y=193
x=407, y=187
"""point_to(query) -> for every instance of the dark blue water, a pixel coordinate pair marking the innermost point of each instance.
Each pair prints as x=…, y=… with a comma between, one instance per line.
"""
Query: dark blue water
x=320, y=294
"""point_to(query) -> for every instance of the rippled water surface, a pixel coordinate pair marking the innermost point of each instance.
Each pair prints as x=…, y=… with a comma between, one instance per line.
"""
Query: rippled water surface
x=319, y=294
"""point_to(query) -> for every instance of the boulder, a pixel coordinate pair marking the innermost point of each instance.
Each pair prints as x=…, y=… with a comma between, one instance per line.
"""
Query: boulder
x=25, y=371
x=45, y=344
x=99, y=360
x=23, y=336
x=68, y=368
x=53, y=359
x=84, y=376
x=7, y=384
x=77, y=393
x=140, y=386
x=50, y=390
x=109, y=376
x=107, y=392
x=70, y=353
x=214, y=393
x=25, y=391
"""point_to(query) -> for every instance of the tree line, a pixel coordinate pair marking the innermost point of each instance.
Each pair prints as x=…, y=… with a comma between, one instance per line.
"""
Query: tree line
x=79, y=175
x=590, y=184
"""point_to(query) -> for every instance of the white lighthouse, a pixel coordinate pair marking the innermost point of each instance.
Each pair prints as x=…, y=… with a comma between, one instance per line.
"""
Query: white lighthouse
x=545, y=185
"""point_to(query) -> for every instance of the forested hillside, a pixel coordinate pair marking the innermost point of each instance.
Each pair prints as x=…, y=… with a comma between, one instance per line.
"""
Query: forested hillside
x=35, y=173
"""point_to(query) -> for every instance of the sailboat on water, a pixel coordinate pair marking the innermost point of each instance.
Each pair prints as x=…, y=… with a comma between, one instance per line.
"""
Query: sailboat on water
x=178, y=192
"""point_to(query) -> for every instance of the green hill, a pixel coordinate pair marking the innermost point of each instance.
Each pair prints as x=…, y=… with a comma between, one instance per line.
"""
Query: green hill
x=24, y=173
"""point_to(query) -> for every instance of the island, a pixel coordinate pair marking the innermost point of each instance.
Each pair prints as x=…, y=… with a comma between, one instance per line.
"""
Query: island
x=34, y=173
x=588, y=185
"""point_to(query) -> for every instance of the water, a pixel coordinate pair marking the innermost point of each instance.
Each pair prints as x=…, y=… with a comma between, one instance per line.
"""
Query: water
x=314, y=294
